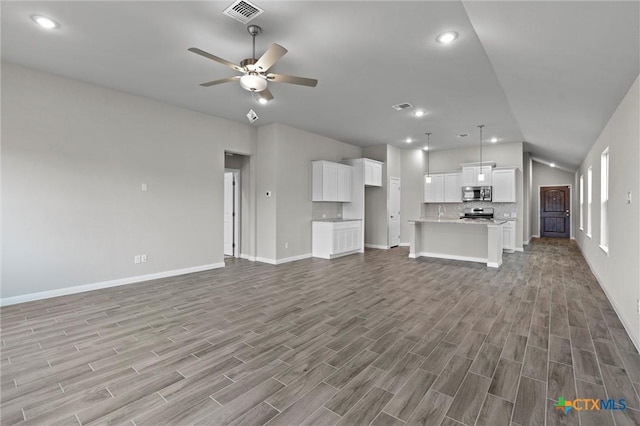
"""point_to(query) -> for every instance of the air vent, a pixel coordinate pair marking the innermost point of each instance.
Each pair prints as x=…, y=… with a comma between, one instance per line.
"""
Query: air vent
x=243, y=11
x=400, y=107
x=463, y=135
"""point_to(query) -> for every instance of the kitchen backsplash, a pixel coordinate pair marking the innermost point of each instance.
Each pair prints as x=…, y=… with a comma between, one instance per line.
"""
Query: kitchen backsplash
x=454, y=210
x=326, y=210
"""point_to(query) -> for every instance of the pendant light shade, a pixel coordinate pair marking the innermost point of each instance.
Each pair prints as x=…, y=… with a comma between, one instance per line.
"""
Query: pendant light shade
x=427, y=179
x=481, y=175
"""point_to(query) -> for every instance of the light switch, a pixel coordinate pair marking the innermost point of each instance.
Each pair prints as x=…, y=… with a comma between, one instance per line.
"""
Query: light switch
x=144, y=187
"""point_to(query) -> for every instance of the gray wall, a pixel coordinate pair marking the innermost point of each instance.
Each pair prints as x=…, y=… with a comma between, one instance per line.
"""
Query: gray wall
x=618, y=271
x=74, y=157
x=285, y=154
x=544, y=175
x=375, y=201
x=412, y=193
x=247, y=202
x=527, y=178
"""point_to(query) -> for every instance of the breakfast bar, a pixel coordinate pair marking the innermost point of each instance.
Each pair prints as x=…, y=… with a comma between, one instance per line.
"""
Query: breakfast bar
x=473, y=240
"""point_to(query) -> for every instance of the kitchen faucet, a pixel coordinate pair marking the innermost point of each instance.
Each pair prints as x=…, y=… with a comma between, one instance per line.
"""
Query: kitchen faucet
x=441, y=211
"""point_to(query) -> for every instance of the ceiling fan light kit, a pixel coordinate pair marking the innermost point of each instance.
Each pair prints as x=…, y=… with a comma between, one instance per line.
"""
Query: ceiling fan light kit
x=255, y=76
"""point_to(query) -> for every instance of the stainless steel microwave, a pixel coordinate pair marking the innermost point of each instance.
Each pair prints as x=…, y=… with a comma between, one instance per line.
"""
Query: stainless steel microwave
x=476, y=193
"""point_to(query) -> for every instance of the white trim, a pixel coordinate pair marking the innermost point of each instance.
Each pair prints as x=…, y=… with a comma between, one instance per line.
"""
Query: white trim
x=635, y=339
x=604, y=249
x=283, y=260
x=526, y=243
x=248, y=257
x=453, y=257
x=376, y=246
x=535, y=236
x=521, y=249
x=404, y=244
x=105, y=284
x=493, y=264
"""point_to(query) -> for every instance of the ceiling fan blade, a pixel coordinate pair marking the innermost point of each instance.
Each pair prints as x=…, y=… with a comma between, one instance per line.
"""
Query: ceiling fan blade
x=266, y=94
x=292, y=79
x=214, y=58
x=270, y=57
x=222, y=80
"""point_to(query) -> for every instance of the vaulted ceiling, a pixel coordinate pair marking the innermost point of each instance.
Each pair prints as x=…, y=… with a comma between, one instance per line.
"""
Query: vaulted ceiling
x=547, y=73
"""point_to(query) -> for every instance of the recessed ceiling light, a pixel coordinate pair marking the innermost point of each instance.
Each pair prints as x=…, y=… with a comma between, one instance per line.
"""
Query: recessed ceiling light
x=419, y=113
x=426, y=148
x=494, y=140
x=447, y=37
x=552, y=165
x=408, y=140
x=262, y=101
x=45, y=22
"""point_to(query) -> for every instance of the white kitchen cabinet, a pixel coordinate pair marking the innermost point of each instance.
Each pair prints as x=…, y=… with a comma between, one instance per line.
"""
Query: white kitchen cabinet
x=470, y=175
x=331, y=181
x=334, y=239
x=504, y=185
x=509, y=236
x=443, y=188
x=452, y=187
x=434, y=190
x=372, y=172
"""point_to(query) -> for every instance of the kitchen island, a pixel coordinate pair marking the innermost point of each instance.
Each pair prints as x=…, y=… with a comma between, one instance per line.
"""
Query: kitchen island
x=473, y=240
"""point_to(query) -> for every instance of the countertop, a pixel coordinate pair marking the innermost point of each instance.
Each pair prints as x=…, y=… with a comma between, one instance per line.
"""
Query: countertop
x=334, y=219
x=461, y=221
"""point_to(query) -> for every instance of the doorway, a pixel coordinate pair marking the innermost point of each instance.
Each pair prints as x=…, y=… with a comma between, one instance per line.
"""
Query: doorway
x=394, y=212
x=231, y=212
x=555, y=211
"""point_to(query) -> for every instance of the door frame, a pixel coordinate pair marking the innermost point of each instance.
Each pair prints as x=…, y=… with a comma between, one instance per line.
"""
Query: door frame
x=236, y=211
x=389, y=213
x=570, y=186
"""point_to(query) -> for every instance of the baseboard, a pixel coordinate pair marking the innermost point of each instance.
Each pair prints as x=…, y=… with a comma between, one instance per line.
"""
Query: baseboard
x=625, y=324
x=526, y=243
x=376, y=246
x=521, y=249
x=105, y=284
x=404, y=244
x=534, y=236
x=453, y=257
x=283, y=260
x=248, y=257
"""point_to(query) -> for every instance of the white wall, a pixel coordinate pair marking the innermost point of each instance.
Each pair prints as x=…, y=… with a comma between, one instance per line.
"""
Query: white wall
x=376, y=232
x=74, y=157
x=527, y=170
x=285, y=154
x=543, y=175
x=619, y=271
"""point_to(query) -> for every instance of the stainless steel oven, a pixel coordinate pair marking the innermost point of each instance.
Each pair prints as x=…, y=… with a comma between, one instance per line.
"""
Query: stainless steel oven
x=476, y=193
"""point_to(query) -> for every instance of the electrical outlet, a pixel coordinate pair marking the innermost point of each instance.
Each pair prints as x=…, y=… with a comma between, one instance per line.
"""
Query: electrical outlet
x=629, y=197
x=144, y=187
x=286, y=245
x=143, y=258
x=136, y=259
x=639, y=306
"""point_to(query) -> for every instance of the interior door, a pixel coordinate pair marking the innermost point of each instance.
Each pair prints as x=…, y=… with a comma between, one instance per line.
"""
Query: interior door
x=394, y=212
x=228, y=213
x=555, y=214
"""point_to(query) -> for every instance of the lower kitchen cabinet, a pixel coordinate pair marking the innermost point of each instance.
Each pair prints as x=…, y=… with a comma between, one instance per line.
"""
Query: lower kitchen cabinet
x=509, y=236
x=334, y=239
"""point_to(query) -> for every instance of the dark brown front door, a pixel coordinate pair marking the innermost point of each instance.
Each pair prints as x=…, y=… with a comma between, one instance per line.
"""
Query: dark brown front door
x=554, y=211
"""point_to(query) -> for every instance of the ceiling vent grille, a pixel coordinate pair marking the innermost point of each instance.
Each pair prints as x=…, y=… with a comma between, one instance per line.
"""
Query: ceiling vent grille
x=243, y=11
x=400, y=107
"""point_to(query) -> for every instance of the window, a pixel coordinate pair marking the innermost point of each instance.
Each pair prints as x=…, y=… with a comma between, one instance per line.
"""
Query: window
x=581, y=212
x=604, y=200
x=589, y=198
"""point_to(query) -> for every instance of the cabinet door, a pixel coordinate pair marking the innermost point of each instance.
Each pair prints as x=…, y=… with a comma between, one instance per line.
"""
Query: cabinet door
x=504, y=186
x=368, y=173
x=509, y=236
x=344, y=183
x=469, y=175
x=372, y=173
x=452, y=187
x=377, y=174
x=434, y=190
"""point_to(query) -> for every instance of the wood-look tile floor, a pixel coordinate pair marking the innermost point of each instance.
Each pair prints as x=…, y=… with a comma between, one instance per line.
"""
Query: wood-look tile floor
x=373, y=339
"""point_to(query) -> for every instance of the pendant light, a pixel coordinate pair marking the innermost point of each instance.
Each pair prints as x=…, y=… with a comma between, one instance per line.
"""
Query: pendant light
x=481, y=175
x=428, y=178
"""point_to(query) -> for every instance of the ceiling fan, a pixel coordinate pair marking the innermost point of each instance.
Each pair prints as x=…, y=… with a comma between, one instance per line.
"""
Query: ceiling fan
x=255, y=71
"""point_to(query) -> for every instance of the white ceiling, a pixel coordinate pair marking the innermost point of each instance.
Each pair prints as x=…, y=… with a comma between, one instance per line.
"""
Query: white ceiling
x=547, y=73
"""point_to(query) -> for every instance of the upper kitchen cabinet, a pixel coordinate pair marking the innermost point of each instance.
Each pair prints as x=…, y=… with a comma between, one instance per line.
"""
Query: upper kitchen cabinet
x=470, y=175
x=331, y=181
x=372, y=172
x=443, y=188
x=504, y=185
